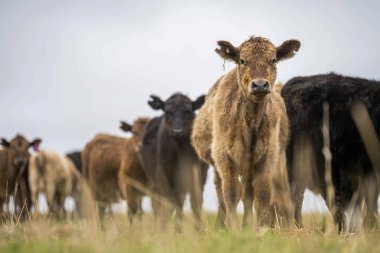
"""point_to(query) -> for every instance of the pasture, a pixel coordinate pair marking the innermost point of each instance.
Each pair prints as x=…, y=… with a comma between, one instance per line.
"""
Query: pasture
x=226, y=156
x=43, y=235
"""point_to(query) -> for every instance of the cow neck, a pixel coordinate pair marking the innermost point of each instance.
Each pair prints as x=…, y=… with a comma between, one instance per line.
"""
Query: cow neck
x=134, y=142
x=181, y=143
x=134, y=139
x=252, y=114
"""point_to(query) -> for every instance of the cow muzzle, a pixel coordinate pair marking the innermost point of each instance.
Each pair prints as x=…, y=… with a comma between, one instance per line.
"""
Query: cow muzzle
x=260, y=88
x=19, y=162
x=178, y=132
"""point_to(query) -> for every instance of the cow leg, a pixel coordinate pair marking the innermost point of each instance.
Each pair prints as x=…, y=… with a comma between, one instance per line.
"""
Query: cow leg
x=371, y=193
x=79, y=199
x=281, y=201
x=339, y=216
x=49, y=195
x=18, y=203
x=221, y=217
x=196, y=201
x=231, y=189
x=337, y=210
x=140, y=211
x=262, y=191
x=248, y=200
x=60, y=202
x=155, y=206
x=297, y=194
x=166, y=188
x=22, y=200
x=157, y=211
x=102, y=208
x=262, y=195
x=35, y=200
x=2, y=214
x=133, y=201
x=180, y=199
x=196, y=194
x=196, y=206
x=56, y=208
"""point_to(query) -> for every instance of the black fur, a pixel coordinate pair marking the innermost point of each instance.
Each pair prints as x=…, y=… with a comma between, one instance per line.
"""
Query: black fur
x=304, y=97
x=168, y=156
x=76, y=158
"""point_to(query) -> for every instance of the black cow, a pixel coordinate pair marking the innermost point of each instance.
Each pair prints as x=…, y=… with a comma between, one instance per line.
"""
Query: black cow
x=353, y=176
x=169, y=160
x=75, y=157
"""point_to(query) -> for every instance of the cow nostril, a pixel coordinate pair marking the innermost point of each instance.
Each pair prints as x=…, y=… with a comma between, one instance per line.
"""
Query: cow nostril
x=266, y=85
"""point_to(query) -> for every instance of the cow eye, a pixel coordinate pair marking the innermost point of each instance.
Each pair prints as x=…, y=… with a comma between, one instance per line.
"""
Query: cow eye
x=274, y=61
x=243, y=62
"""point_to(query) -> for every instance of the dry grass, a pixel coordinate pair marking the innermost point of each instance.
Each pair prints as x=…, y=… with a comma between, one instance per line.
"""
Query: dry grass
x=143, y=236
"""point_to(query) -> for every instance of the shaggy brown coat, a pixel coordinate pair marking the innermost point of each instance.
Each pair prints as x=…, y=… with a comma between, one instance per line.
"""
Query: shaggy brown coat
x=56, y=177
x=14, y=159
x=103, y=159
x=243, y=133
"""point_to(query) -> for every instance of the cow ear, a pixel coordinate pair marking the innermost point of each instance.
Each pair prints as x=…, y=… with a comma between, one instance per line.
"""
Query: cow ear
x=156, y=103
x=198, y=102
x=35, y=144
x=287, y=49
x=227, y=51
x=5, y=143
x=125, y=126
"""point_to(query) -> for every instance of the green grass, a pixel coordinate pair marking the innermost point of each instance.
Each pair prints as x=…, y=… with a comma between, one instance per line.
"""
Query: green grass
x=143, y=236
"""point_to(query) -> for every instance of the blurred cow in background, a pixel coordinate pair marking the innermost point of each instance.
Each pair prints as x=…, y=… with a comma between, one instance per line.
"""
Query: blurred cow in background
x=56, y=177
x=354, y=176
x=14, y=158
x=103, y=159
x=131, y=171
x=170, y=162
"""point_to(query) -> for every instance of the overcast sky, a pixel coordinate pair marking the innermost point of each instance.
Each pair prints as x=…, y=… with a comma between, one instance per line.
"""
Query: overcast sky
x=70, y=69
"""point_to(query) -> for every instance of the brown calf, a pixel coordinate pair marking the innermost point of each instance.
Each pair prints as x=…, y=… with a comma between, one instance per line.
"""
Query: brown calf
x=57, y=178
x=131, y=167
x=242, y=130
x=14, y=174
x=103, y=158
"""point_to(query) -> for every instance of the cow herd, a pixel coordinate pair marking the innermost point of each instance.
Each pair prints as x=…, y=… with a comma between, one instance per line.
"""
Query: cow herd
x=265, y=143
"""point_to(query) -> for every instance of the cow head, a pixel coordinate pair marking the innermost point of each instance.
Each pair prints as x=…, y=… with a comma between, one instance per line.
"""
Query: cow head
x=137, y=128
x=19, y=149
x=179, y=113
x=256, y=61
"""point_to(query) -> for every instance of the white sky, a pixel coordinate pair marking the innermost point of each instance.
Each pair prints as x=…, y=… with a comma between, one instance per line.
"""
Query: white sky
x=70, y=69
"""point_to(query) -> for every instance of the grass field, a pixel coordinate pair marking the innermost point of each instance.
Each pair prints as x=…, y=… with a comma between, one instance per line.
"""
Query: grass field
x=118, y=236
